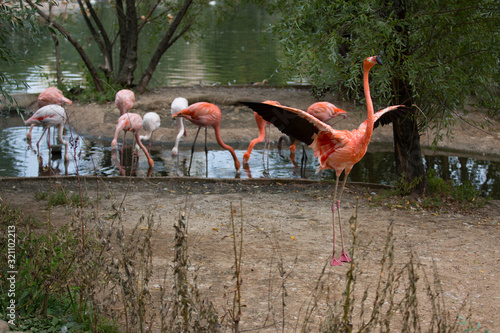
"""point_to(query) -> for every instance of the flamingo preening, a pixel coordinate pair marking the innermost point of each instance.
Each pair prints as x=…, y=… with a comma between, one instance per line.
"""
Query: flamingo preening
x=50, y=116
x=205, y=114
x=178, y=104
x=335, y=149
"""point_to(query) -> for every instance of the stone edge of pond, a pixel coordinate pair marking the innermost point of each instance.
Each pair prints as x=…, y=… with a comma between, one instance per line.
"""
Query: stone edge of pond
x=193, y=180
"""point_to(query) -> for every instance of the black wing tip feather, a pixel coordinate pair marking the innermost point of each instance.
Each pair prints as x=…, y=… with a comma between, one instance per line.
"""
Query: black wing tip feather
x=392, y=115
x=286, y=121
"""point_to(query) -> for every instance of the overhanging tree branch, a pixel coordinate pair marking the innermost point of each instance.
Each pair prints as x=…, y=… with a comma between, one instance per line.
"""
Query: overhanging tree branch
x=167, y=41
x=86, y=60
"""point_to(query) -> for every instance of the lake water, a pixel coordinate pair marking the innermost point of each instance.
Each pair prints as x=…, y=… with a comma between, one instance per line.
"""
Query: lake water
x=237, y=50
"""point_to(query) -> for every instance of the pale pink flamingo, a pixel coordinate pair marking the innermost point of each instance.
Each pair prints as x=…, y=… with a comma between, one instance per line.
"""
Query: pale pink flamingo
x=262, y=125
x=178, y=104
x=205, y=114
x=124, y=100
x=335, y=149
x=131, y=122
x=51, y=95
x=50, y=116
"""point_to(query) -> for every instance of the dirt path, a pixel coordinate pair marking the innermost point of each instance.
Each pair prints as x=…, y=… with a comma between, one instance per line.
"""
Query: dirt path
x=287, y=223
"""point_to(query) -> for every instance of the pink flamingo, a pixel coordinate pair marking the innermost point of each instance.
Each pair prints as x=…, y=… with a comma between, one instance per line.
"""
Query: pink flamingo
x=124, y=100
x=178, y=104
x=131, y=122
x=50, y=116
x=335, y=149
x=51, y=95
x=205, y=114
x=262, y=125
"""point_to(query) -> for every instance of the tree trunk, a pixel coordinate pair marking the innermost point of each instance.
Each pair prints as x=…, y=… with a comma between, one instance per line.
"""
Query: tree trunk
x=407, y=151
x=128, y=43
x=99, y=35
x=408, y=155
x=167, y=41
x=58, y=59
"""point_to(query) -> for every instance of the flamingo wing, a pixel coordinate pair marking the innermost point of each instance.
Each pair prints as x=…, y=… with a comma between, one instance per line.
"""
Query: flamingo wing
x=49, y=115
x=293, y=122
x=389, y=114
x=386, y=116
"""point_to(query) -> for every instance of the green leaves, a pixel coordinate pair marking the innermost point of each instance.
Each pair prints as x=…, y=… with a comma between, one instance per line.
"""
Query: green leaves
x=14, y=19
x=446, y=52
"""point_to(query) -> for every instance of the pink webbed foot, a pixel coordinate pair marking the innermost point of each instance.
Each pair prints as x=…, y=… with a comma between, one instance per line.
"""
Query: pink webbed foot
x=336, y=262
x=344, y=257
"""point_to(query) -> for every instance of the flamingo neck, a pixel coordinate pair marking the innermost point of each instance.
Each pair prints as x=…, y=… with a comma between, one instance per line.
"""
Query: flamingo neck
x=369, y=104
x=181, y=132
x=227, y=147
x=64, y=142
x=144, y=149
x=260, y=138
x=147, y=136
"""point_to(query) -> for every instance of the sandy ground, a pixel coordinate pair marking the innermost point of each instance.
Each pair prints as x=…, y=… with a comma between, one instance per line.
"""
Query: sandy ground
x=288, y=223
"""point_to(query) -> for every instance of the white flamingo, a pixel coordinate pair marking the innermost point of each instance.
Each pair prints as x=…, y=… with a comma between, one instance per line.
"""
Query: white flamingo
x=150, y=123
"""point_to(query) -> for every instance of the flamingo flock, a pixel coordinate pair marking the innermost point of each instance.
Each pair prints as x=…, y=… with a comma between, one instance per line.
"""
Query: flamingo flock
x=338, y=150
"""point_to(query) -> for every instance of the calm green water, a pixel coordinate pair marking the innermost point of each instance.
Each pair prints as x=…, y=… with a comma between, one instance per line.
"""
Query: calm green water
x=237, y=50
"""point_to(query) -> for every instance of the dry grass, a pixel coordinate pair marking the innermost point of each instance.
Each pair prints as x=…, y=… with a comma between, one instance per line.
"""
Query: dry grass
x=105, y=285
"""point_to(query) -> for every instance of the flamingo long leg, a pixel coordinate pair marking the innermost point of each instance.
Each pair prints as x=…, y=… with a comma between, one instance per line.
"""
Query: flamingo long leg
x=206, y=154
x=335, y=262
x=343, y=255
x=267, y=144
x=121, y=150
x=63, y=142
x=48, y=144
x=38, y=143
x=192, y=150
x=48, y=139
x=303, y=162
x=292, y=152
